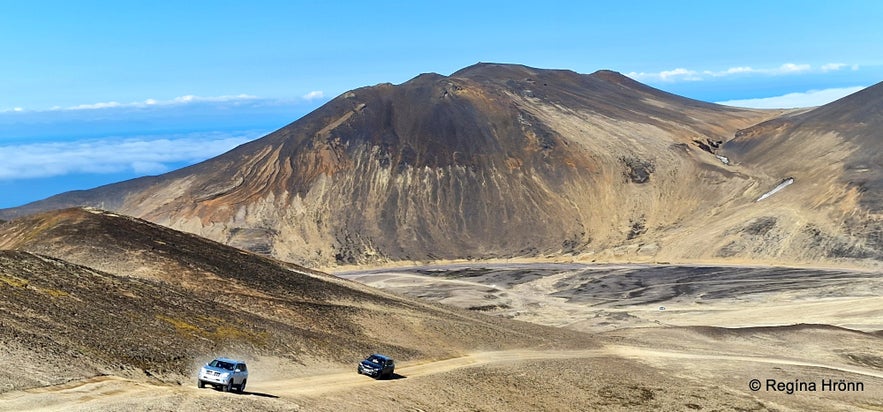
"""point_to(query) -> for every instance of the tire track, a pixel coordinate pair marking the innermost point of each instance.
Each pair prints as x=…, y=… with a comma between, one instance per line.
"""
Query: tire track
x=104, y=390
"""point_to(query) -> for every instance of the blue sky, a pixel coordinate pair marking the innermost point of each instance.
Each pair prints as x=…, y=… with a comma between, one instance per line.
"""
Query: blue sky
x=93, y=92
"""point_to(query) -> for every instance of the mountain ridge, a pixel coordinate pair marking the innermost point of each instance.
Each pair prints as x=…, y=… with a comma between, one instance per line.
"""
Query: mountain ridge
x=493, y=161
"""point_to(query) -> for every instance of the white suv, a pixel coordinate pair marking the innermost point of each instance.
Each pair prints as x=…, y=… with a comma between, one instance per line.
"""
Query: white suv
x=223, y=373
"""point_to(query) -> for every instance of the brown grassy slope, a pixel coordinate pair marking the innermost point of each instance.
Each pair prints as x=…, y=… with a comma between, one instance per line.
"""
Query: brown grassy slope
x=144, y=297
x=492, y=161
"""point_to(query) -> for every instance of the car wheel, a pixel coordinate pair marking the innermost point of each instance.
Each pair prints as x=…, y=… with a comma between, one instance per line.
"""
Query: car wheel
x=359, y=371
x=200, y=384
x=229, y=386
x=242, y=385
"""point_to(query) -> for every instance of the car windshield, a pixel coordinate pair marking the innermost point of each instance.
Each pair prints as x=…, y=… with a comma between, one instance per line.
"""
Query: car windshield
x=375, y=359
x=221, y=364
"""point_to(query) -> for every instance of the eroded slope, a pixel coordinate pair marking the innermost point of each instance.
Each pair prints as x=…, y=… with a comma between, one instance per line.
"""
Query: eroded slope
x=142, y=299
x=494, y=160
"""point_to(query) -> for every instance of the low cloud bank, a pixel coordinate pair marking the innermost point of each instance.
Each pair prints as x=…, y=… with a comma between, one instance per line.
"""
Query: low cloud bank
x=691, y=75
x=141, y=155
x=794, y=100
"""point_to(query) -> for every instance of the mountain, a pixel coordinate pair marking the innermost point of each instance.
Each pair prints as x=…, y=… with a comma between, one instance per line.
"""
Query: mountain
x=834, y=154
x=88, y=292
x=846, y=133
x=501, y=160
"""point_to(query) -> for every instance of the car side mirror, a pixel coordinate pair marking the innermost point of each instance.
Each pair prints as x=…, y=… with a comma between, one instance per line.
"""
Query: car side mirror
x=238, y=370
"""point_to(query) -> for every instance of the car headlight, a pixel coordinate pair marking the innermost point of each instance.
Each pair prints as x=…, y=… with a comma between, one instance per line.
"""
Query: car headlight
x=225, y=375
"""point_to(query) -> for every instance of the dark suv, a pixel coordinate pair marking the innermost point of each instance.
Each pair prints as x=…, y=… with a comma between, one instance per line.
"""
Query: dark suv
x=377, y=366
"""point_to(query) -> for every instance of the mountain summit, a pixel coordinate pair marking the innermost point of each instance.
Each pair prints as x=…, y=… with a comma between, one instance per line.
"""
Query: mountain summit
x=495, y=160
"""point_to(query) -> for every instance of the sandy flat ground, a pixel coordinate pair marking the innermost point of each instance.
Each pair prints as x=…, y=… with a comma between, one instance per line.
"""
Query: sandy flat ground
x=596, y=298
x=615, y=377
x=671, y=338
x=717, y=322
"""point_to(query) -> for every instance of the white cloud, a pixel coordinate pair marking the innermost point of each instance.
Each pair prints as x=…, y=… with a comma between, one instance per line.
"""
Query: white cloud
x=731, y=71
x=684, y=74
x=791, y=100
x=143, y=155
x=153, y=102
x=679, y=73
x=184, y=99
x=93, y=106
x=792, y=68
x=180, y=100
x=315, y=94
x=830, y=67
x=643, y=76
x=200, y=99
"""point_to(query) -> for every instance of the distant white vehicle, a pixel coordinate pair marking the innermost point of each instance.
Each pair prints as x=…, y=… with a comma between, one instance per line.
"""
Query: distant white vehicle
x=225, y=374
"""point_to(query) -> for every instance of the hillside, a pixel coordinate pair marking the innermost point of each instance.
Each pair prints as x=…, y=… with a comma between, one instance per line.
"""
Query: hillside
x=86, y=292
x=126, y=326
x=499, y=161
x=834, y=155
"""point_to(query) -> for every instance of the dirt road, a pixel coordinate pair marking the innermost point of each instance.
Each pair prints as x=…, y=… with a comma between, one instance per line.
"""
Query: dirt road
x=107, y=392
